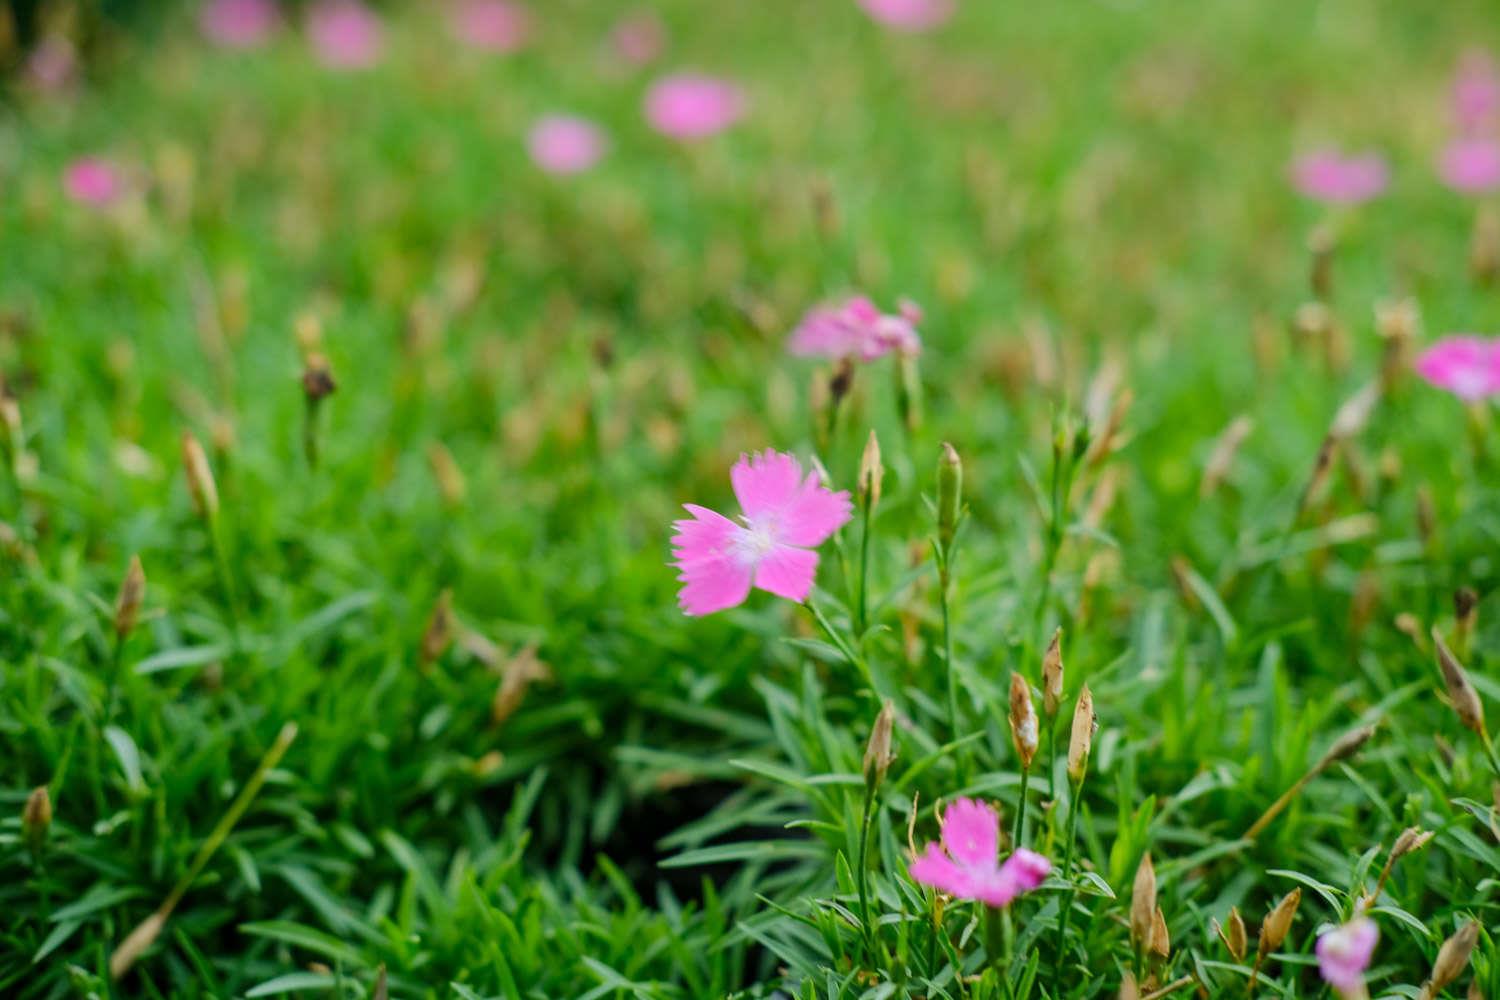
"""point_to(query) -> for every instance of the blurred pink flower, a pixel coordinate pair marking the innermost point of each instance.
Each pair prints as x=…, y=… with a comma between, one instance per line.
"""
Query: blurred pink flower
x=239, y=24
x=1329, y=176
x=639, y=38
x=967, y=865
x=1476, y=91
x=1471, y=165
x=856, y=328
x=909, y=15
x=562, y=144
x=491, y=25
x=345, y=34
x=692, y=106
x=91, y=180
x=53, y=64
x=1344, y=954
x=1464, y=364
x=786, y=517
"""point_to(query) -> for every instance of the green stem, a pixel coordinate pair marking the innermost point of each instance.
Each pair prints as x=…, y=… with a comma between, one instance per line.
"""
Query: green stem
x=864, y=874
x=1015, y=840
x=226, y=581
x=953, y=719
x=838, y=641
x=116, y=668
x=1489, y=750
x=1074, y=807
x=861, y=621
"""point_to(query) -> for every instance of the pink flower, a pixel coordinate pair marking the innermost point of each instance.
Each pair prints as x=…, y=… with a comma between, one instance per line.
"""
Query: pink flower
x=1476, y=91
x=93, y=181
x=1329, y=176
x=1471, y=165
x=52, y=64
x=561, y=144
x=857, y=329
x=1465, y=365
x=491, y=25
x=909, y=15
x=1344, y=954
x=345, y=33
x=639, y=38
x=691, y=106
x=786, y=517
x=239, y=24
x=966, y=866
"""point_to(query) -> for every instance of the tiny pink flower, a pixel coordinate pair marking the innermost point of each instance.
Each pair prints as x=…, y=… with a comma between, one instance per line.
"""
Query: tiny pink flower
x=856, y=328
x=561, y=144
x=967, y=865
x=691, y=106
x=1329, y=176
x=639, y=38
x=1476, y=92
x=1344, y=954
x=239, y=24
x=52, y=65
x=1471, y=165
x=1465, y=365
x=909, y=15
x=491, y=25
x=93, y=181
x=773, y=547
x=345, y=34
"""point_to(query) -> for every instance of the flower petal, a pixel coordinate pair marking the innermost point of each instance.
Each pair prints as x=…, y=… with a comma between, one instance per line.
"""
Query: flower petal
x=971, y=833
x=765, y=483
x=1027, y=868
x=787, y=572
x=938, y=870
x=715, y=573
x=813, y=514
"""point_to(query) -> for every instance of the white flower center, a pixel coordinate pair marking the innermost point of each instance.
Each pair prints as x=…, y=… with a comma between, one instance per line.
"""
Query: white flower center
x=756, y=540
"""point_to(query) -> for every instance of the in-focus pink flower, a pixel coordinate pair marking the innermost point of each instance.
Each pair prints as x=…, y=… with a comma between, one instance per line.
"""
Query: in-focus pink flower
x=857, y=328
x=52, y=65
x=561, y=144
x=1344, y=954
x=491, y=25
x=239, y=24
x=967, y=865
x=786, y=517
x=1476, y=92
x=692, y=106
x=345, y=34
x=909, y=15
x=639, y=38
x=93, y=181
x=1329, y=176
x=1466, y=365
x=1471, y=165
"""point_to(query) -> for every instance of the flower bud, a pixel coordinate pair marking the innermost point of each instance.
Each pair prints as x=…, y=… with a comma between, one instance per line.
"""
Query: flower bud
x=1161, y=939
x=1278, y=922
x=200, y=477
x=36, y=820
x=1023, y=724
x=1460, y=691
x=1345, y=746
x=317, y=379
x=1452, y=957
x=128, y=603
x=1052, y=675
x=1233, y=934
x=1128, y=989
x=439, y=632
x=841, y=381
x=1221, y=460
x=878, y=754
x=1465, y=616
x=950, y=486
x=1143, y=903
x=445, y=470
x=908, y=390
x=871, y=472
x=1082, y=738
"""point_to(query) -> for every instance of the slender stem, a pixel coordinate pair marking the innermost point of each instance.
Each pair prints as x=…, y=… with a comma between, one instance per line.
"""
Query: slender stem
x=944, y=567
x=1015, y=840
x=226, y=581
x=861, y=621
x=1074, y=807
x=994, y=935
x=116, y=668
x=1281, y=803
x=1489, y=750
x=864, y=874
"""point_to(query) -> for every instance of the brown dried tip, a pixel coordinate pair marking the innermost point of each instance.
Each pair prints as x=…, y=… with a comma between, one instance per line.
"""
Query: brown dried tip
x=1024, y=732
x=135, y=944
x=36, y=820
x=517, y=676
x=1128, y=989
x=1233, y=934
x=1081, y=741
x=1221, y=460
x=1465, y=607
x=1452, y=958
x=842, y=380
x=878, y=754
x=1411, y=840
x=132, y=595
x=1052, y=675
x=381, y=990
x=439, y=631
x=1143, y=903
x=1460, y=691
x=450, y=478
x=200, y=477
x=1408, y=625
x=1278, y=922
x=1322, y=465
x=1345, y=746
x=871, y=472
x=1161, y=939
x=317, y=379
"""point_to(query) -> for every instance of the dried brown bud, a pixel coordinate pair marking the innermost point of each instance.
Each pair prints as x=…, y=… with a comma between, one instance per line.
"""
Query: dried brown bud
x=1475, y=991
x=200, y=477
x=1410, y=626
x=1081, y=741
x=1278, y=922
x=841, y=381
x=450, y=478
x=1052, y=675
x=1024, y=733
x=1396, y=322
x=1452, y=958
x=1221, y=460
x=878, y=754
x=1234, y=935
x=36, y=820
x=1460, y=691
x=1322, y=465
x=1128, y=988
x=1426, y=517
x=1345, y=746
x=381, y=990
x=1354, y=415
x=1143, y=903
x=516, y=676
x=1465, y=617
x=132, y=594
x=871, y=472
x=136, y=943
x=317, y=379
x=439, y=631
x=1161, y=939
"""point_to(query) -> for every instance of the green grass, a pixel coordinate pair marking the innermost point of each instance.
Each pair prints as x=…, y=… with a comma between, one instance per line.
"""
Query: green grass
x=1089, y=200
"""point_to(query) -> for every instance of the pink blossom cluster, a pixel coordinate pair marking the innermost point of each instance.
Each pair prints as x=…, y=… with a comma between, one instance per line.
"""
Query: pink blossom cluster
x=967, y=864
x=856, y=328
x=1465, y=364
x=1470, y=162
